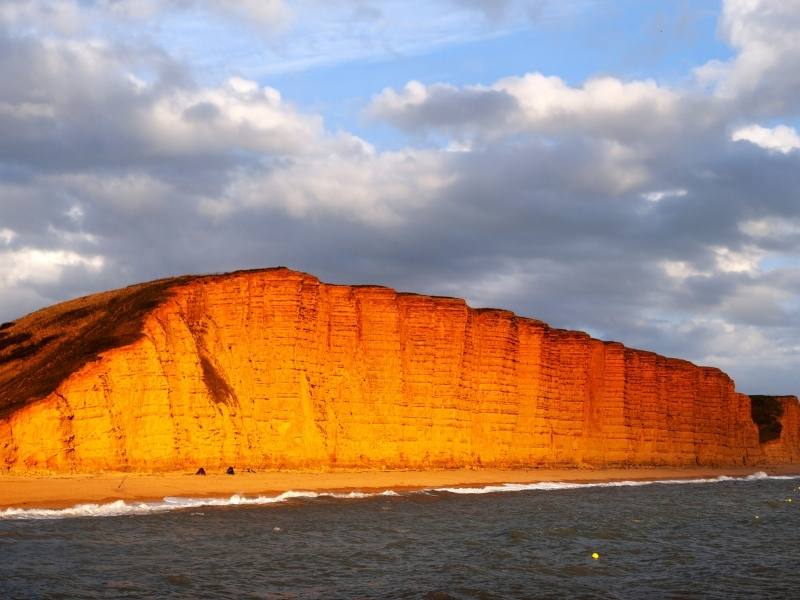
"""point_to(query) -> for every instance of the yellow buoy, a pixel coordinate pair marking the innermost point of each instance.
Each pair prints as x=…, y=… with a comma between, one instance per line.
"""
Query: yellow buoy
x=595, y=555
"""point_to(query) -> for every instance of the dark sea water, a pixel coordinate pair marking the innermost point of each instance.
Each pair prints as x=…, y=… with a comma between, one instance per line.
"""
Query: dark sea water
x=718, y=539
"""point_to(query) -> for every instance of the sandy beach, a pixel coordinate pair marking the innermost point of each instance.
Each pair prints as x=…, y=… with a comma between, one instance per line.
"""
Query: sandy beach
x=59, y=491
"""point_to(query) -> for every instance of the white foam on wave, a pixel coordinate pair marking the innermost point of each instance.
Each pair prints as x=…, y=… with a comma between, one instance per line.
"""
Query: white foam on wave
x=762, y=475
x=170, y=503
x=565, y=485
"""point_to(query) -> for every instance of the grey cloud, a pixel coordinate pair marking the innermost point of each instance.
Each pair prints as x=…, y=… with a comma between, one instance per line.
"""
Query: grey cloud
x=202, y=111
x=636, y=113
x=763, y=78
x=552, y=224
x=449, y=108
x=79, y=105
x=567, y=252
x=571, y=257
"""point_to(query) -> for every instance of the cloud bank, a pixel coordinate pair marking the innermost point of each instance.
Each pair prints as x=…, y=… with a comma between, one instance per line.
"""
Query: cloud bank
x=663, y=216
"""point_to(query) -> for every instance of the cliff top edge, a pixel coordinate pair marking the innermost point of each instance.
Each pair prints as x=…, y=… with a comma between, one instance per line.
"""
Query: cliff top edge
x=42, y=349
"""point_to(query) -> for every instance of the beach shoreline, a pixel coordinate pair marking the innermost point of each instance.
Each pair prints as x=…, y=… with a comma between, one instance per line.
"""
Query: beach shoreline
x=63, y=491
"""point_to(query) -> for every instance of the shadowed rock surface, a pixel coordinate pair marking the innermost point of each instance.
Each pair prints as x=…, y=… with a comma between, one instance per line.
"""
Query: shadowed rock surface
x=41, y=350
x=778, y=421
x=274, y=369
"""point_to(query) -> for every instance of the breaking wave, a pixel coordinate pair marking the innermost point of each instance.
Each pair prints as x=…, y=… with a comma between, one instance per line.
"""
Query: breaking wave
x=170, y=503
x=122, y=508
x=565, y=485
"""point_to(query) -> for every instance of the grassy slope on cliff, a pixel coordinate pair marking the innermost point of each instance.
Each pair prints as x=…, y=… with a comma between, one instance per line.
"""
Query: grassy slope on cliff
x=42, y=349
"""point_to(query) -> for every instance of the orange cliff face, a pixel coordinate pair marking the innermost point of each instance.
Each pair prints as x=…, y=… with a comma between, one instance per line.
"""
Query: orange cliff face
x=273, y=369
x=778, y=420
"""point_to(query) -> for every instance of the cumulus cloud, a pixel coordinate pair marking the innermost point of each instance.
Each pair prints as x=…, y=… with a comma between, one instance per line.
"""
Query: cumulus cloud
x=7, y=235
x=771, y=228
x=781, y=138
x=603, y=106
x=82, y=104
x=36, y=265
x=381, y=189
x=695, y=259
x=418, y=107
x=764, y=75
x=240, y=115
x=623, y=207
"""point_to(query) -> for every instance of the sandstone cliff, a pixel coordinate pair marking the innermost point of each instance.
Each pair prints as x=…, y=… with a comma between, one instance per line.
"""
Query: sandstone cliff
x=778, y=420
x=273, y=369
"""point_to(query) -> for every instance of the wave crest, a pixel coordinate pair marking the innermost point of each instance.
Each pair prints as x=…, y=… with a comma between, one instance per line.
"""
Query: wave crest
x=171, y=503
x=565, y=485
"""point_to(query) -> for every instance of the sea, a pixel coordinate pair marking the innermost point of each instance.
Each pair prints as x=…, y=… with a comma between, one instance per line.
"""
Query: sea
x=712, y=538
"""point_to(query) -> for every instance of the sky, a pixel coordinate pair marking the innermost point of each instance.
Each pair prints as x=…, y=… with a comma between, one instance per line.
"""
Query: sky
x=628, y=168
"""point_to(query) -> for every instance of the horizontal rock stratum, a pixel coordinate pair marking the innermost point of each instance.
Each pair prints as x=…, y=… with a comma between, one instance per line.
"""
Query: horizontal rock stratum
x=274, y=369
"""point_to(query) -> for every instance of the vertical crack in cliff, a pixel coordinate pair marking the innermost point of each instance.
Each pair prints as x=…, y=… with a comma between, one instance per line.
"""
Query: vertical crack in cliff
x=116, y=419
x=67, y=415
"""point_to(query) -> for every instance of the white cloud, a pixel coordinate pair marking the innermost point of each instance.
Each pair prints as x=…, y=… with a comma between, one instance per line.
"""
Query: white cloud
x=75, y=213
x=381, y=189
x=7, y=236
x=264, y=151
x=681, y=269
x=118, y=158
x=745, y=260
x=80, y=102
x=549, y=99
x=42, y=266
x=781, y=138
x=659, y=195
x=728, y=345
x=764, y=76
x=771, y=228
x=604, y=107
x=725, y=260
x=239, y=114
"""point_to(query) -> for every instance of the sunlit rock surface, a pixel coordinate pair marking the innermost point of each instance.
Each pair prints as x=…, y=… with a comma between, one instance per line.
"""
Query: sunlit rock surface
x=778, y=420
x=274, y=369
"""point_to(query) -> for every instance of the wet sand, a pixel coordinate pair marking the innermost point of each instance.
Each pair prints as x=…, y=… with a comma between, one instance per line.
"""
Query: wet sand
x=59, y=491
